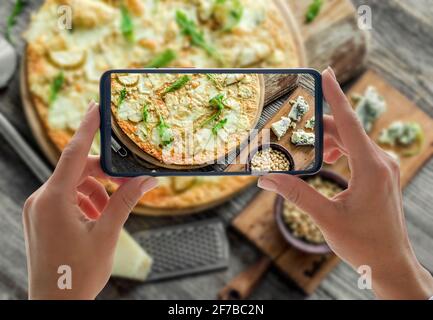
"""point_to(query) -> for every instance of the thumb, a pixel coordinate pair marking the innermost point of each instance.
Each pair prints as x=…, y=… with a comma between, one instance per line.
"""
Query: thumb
x=300, y=194
x=123, y=201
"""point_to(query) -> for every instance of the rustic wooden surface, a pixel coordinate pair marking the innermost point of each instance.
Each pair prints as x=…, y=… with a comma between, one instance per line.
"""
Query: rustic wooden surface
x=401, y=51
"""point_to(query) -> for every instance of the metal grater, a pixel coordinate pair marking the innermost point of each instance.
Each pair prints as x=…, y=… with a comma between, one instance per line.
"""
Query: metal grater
x=185, y=249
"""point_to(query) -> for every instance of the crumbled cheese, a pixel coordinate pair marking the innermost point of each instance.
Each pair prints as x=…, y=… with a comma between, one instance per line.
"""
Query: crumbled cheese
x=403, y=133
x=302, y=138
x=299, y=108
x=369, y=107
x=310, y=123
x=280, y=127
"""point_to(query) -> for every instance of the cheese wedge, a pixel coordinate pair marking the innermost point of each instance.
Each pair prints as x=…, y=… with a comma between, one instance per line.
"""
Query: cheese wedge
x=130, y=260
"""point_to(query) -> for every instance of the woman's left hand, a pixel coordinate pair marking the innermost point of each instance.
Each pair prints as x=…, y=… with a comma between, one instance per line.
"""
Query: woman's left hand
x=71, y=222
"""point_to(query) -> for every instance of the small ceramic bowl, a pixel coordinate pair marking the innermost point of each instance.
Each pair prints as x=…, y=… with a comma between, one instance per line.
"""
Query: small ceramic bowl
x=297, y=242
x=274, y=146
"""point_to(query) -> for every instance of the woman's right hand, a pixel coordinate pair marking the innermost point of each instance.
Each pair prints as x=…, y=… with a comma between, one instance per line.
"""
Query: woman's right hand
x=364, y=224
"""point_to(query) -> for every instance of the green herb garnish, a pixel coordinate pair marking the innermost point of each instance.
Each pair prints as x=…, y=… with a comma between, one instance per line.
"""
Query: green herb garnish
x=56, y=86
x=179, y=83
x=313, y=10
x=212, y=79
x=162, y=59
x=12, y=19
x=234, y=11
x=216, y=102
x=122, y=96
x=145, y=112
x=126, y=25
x=164, y=132
x=219, y=126
x=189, y=29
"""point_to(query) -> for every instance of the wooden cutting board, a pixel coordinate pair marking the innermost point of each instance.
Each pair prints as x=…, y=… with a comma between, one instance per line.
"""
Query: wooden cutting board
x=302, y=155
x=257, y=222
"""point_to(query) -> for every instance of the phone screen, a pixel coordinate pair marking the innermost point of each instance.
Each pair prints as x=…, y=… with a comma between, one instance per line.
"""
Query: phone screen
x=211, y=122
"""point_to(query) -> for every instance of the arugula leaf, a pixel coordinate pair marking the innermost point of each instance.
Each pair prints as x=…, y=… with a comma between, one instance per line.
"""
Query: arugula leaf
x=56, y=86
x=216, y=102
x=12, y=19
x=145, y=112
x=163, y=59
x=126, y=25
x=122, y=96
x=219, y=126
x=189, y=28
x=179, y=83
x=213, y=80
x=164, y=132
x=313, y=10
x=234, y=11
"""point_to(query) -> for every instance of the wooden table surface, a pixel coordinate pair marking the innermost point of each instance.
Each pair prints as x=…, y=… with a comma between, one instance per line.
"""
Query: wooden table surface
x=401, y=51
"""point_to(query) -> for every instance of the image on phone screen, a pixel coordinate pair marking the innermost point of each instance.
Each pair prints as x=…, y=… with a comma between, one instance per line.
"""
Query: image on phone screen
x=211, y=122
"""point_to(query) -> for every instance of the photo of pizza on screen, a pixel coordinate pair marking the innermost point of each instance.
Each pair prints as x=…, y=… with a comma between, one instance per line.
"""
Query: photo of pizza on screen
x=210, y=122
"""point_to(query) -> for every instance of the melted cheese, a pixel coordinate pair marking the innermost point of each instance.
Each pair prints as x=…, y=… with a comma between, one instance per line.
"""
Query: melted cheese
x=130, y=110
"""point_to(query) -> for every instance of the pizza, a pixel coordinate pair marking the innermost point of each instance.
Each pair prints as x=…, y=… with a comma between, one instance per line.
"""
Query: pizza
x=186, y=119
x=63, y=65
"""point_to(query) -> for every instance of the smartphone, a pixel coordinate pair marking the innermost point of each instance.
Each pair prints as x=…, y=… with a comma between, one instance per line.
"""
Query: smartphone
x=164, y=122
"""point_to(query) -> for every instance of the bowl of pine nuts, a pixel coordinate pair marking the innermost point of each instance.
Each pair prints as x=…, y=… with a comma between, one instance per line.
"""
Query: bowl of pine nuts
x=270, y=157
x=296, y=226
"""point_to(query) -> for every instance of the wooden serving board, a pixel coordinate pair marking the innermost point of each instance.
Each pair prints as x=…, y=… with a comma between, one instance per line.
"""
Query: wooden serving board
x=257, y=222
x=399, y=108
x=302, y=155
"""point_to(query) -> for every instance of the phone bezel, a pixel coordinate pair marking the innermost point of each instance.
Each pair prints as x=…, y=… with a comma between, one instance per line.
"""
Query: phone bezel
x=105, y=127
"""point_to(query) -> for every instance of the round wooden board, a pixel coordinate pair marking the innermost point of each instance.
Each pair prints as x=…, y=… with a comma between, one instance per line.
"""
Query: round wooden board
x=160, y=212
x=298, y=43
x=138, y=152
x=53, y=154
x=39, y=133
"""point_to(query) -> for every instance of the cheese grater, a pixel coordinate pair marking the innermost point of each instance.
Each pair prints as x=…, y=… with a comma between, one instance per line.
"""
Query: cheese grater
x=185, y=249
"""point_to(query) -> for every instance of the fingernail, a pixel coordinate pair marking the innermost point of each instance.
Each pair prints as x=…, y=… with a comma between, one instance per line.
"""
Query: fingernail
x=331, y=72
x=148, y=184
x=267, y=184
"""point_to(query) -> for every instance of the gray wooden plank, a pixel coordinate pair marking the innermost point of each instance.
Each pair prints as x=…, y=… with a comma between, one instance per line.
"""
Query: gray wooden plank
x=401, y=50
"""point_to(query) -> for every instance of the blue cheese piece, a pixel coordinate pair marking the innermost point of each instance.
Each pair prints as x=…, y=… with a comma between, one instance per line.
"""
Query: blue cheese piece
x=402, y=133
x=310, y=123
x=369, y=107
x=280, y=127
x=299, y=108
x=302, y=138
